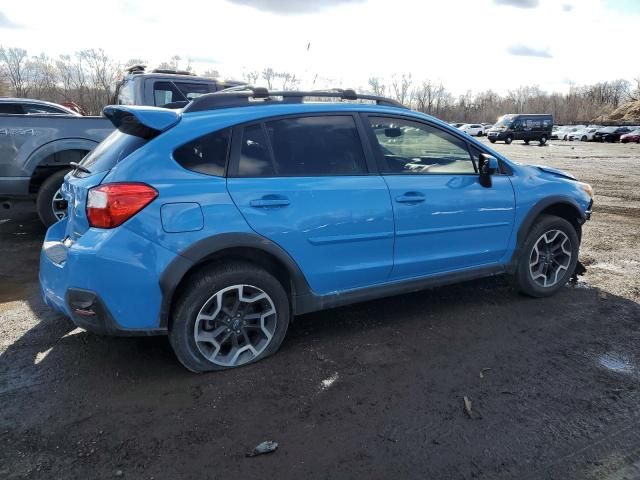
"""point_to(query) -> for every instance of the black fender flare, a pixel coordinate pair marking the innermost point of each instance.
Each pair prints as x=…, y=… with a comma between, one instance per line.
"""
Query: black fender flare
x=531, y=216
x=200, y=251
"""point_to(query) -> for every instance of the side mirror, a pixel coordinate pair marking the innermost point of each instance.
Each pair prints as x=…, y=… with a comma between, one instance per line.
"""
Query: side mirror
x=488, y=165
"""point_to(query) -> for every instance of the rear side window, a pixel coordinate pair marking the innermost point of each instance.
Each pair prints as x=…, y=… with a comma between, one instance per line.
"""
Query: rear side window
x=206, y=154
x=114, y=148
x=315, y=146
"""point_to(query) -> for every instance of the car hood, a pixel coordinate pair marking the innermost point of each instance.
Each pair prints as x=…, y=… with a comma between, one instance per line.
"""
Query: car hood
x=555, y=171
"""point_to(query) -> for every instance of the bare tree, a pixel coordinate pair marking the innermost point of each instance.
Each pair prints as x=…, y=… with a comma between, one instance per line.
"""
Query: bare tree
x=251, y=77
x=402, y=87
x=377, y=86
x=14, y=63
x=269, y=75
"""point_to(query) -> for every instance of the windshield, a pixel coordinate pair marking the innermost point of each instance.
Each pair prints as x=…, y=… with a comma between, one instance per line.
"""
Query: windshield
x=105, y=156
x=504, y=121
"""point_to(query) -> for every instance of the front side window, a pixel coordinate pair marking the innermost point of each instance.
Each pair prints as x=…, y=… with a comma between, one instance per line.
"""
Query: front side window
x=408, y=147
x=316, y=146
x=206, y=154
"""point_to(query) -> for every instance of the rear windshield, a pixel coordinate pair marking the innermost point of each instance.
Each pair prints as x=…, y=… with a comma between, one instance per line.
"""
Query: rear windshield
x=105, y=156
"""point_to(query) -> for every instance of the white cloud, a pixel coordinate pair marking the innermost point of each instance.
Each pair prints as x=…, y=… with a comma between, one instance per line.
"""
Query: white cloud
x=464, y=43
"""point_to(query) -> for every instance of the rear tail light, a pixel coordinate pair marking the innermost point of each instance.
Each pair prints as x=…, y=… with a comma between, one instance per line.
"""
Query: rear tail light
x=113, y=204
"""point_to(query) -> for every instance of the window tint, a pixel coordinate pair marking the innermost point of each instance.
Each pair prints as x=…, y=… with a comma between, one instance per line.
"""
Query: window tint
x=307, y=146
x=13, y=108
x=206, y=154
x=255, y=160
x=413, y=148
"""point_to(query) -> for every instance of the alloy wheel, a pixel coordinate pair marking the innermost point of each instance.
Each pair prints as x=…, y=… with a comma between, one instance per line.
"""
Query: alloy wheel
x=550, y=258
x=235, y=325
x=59, y=205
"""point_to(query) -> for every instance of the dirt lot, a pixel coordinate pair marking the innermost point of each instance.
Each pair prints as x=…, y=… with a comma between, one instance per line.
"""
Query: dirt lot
x=374, y=390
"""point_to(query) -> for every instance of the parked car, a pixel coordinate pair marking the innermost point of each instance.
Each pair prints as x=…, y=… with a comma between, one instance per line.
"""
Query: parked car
x=610, y=134
x=38, y=146
x=216, y=224
x=473, y=129
x=28, y=106
x=633, y=136
x=584, y=134
x=524, y=127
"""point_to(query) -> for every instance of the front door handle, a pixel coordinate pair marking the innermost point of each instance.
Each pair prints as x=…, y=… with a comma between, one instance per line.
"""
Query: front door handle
x=269, y=201
x=411, y=197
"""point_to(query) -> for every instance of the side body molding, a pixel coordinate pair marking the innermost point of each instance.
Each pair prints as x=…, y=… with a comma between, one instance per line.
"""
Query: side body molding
x=206, y=248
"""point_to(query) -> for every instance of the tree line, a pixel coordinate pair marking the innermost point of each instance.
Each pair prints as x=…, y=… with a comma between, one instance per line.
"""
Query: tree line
x=88, y=78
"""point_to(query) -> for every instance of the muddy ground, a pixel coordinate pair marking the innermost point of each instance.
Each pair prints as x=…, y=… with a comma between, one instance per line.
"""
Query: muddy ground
x=373, y=391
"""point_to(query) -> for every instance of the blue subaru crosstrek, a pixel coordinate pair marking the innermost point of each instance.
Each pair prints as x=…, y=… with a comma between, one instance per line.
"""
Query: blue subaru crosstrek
x=216, y=224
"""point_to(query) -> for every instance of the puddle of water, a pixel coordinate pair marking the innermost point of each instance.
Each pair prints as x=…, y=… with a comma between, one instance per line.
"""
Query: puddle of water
x=616, y=363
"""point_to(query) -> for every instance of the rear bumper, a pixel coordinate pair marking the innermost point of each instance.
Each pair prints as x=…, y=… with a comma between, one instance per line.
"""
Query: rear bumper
x=106, y=282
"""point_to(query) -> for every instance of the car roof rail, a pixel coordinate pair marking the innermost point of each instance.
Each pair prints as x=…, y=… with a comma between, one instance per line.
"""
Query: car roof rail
x=255, y=96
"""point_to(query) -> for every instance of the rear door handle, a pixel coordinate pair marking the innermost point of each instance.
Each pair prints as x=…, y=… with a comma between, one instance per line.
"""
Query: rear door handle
x=411, y=197
x=267, y=202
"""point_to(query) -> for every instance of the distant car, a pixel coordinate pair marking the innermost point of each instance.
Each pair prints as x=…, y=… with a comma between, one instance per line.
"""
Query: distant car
x=568, y=130
x=610, y=134
x=525, y=127
x=473, y=129
x=633, y=136
x=584, y=135
x=27, y=106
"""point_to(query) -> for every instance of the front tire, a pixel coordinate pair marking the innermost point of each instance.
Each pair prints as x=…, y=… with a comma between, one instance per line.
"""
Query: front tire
x=543, y=140
x=50, y=205
x=228, y=316
x=548, y=257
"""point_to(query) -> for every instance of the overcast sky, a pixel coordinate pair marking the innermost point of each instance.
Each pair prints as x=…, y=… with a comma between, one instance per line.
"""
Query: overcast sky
x=466, y=44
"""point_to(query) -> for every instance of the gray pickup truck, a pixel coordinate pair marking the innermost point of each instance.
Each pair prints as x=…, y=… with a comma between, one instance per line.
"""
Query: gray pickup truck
x=36, y=147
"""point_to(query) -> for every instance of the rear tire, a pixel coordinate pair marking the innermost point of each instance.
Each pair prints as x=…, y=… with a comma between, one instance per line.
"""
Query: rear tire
x=543, y=140
x=228, y=316
x=548, y=257
x=584, y=138
x=51, y=209
x=508, y=139
x=492, y=140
